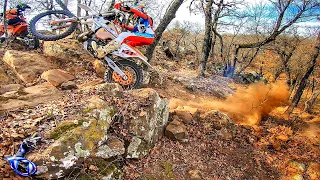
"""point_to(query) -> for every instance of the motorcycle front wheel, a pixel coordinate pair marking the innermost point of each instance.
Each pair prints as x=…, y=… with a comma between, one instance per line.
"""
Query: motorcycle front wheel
x=132, y=71
x=52, y=26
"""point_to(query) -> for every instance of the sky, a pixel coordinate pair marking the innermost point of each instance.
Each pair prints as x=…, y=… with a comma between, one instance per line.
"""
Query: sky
x=183, y=14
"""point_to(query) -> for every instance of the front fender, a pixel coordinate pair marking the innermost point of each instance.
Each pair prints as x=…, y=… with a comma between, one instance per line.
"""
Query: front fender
x=126, y=51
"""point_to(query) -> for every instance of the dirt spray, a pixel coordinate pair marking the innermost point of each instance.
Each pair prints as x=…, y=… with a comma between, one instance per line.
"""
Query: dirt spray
x=248, y=105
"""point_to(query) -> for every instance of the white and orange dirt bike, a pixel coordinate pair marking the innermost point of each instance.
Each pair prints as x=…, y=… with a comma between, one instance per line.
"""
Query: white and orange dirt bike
x=124, y=64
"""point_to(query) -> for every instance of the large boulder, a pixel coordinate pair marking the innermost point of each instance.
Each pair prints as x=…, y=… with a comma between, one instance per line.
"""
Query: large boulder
x=146, y=123
x=68, y=50
x=220, y=124
x=103, y=132
x=152, y=78
x=27, y=66
x=183, y=115
x=63, y=49
x=176, y=130
x=31, y=96
x=109, y=89
x=57, y=76
x=88, y=139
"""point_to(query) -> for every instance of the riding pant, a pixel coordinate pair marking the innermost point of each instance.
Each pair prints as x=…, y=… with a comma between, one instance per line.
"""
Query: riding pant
x=135, y=38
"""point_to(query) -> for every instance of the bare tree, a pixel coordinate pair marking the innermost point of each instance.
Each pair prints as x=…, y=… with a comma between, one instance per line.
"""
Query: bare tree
x=207, y=41
x=5, y=4
x=111, y=5
x=46, y=4
x=182, y=30
x=214, y=11
x=304, y=9
x=78, y=8
x=302, y=85
x=167, y=18
x=311, y=101
x=196, y=30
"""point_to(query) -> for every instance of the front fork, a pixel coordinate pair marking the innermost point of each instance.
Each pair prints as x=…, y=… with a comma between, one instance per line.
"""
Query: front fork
x=115, y=68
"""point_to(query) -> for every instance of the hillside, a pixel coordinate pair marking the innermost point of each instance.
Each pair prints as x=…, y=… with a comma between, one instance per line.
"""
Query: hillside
x=178, y=126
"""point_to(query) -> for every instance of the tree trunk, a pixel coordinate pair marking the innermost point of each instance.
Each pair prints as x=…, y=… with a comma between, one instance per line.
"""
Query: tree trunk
x=213, y=45
x=310, y=102
x=207, y=41
x=78, y=8
x=167, y=18
x=5, y=18
x=111, y=5
x=66, y=2
x=304, y=80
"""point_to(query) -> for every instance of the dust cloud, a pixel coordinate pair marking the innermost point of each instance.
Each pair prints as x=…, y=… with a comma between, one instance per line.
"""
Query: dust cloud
x=248, y=105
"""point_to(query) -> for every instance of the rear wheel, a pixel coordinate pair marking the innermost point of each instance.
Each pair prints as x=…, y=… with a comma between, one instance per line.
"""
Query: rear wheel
x=132, y=71
x=33, y=42
x=29, y=41
x=49, y=26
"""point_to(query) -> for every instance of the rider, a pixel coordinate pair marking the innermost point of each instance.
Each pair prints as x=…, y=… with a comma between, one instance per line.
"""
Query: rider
x=140, y=34
x=13, y=16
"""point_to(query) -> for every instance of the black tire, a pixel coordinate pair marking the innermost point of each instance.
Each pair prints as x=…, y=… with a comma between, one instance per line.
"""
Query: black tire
x=32, y=42
x=33, y=30
x=123, y=65
x=36, y=43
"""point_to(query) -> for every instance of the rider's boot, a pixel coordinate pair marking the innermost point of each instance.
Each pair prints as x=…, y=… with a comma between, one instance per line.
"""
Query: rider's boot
x=2, y=39
x=110, y=47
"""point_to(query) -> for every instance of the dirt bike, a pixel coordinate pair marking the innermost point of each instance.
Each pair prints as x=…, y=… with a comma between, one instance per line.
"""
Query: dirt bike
x=123, y=69
x=17, y=29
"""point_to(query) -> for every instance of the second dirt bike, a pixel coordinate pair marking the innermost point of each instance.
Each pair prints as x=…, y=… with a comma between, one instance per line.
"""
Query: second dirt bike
x=123, y=63
x=17, y=27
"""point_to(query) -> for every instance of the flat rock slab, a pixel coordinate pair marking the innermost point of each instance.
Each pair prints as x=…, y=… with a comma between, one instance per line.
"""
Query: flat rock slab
x=62, y=49
x=10, y=87
x=57, y=76
x=30, y=96
x=27, y=66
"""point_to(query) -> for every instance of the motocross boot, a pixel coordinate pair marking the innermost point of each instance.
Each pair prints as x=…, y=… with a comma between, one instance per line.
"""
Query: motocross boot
x=2, y=39
x=109, y=48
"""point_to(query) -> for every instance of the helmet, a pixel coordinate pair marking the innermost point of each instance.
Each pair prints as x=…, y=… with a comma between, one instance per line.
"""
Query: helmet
x=23, y=7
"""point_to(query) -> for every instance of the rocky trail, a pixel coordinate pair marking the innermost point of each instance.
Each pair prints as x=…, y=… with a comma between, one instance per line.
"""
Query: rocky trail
x=176, y=127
